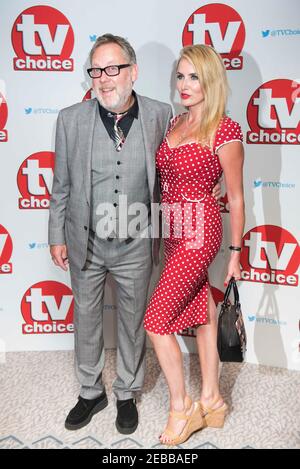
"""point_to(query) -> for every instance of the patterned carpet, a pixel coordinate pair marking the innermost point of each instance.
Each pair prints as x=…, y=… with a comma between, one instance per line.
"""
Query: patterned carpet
x=38, y=389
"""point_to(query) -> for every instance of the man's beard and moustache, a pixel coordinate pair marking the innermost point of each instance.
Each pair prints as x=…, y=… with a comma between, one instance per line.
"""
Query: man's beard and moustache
x=118, y=102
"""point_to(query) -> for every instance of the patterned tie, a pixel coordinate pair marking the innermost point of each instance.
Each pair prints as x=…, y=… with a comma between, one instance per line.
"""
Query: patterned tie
x=117, y=135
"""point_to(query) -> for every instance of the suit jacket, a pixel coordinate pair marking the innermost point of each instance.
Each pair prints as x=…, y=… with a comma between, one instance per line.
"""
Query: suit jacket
x=71, y=192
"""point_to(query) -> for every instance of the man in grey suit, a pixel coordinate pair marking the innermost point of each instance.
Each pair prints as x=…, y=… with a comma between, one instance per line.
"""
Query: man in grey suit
x=105, y=148
x=105, y=151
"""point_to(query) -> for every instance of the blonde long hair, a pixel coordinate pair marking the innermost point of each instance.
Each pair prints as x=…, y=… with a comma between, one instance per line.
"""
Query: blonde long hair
x=213, y=80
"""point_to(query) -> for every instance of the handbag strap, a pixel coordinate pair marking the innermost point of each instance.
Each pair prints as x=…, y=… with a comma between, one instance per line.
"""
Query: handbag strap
x=232, y=284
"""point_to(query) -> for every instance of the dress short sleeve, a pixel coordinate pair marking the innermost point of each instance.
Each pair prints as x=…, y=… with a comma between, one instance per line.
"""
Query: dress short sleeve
x=229, y=131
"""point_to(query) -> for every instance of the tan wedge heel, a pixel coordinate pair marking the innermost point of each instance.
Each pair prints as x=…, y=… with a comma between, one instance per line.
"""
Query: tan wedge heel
x=214, y=417
x=194, y=422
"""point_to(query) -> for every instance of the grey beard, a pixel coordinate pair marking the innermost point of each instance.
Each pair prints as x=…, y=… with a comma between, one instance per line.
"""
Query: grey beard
x=120, y=103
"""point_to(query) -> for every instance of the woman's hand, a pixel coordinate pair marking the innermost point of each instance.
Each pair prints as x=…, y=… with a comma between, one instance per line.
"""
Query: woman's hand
x=234, y=268
x=216, y=192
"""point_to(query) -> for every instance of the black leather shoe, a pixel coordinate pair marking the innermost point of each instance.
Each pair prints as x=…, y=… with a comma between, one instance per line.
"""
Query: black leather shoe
x=127, y=418
x=84, y=410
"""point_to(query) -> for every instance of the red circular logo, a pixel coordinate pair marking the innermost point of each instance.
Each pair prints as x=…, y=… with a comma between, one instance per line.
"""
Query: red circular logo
x=6, y=246
x=43, y=39
x=216, y=25
x=3, y=111
x=34, y=180
x=47, y=307
x=273, y=113
x=270, y=254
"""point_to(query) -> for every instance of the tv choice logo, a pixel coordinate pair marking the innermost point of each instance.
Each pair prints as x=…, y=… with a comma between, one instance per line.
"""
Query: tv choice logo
x=6, y=248
x=218, y=297
x=34, y=179
x=273, y=113
x=43, y=40
x=3, y=118
x=47, y=308
x=220, y=26
x=271, y=255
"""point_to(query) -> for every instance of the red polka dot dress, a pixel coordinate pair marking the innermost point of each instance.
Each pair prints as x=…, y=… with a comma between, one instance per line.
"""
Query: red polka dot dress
x=192, y=230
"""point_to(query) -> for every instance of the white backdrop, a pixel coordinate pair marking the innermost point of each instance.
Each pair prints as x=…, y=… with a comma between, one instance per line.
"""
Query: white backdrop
x=44, y=48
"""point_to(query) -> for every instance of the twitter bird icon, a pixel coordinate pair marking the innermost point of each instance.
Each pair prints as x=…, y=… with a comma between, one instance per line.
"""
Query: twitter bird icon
x=257, y=183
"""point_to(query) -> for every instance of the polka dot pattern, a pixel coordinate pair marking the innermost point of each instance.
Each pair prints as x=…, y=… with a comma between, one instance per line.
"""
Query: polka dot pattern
x=188, y=174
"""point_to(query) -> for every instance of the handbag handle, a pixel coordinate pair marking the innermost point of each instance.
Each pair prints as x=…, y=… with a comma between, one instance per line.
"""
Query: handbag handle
x=232, y=283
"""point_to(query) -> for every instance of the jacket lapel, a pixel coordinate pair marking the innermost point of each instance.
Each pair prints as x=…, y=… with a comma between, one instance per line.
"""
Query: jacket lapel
x=86, y=125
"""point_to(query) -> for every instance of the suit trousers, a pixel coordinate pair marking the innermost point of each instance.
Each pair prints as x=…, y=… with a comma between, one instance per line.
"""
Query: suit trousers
x=130, y=264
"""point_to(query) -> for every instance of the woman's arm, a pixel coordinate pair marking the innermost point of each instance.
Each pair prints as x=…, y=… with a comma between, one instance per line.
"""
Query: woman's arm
x=231, y=158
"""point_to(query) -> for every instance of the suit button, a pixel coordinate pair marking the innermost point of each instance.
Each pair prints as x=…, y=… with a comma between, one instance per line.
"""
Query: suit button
x=115, y=205
x=116, y=191
x=85, y=228
x=118, y=162
x=117, y=177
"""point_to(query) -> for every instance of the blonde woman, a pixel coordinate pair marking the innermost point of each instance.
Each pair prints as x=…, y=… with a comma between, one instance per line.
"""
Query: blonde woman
x=200, y=145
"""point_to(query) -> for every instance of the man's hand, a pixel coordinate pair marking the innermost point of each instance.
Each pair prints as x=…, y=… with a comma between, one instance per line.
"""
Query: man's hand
x=216, y=192
x=60, y=256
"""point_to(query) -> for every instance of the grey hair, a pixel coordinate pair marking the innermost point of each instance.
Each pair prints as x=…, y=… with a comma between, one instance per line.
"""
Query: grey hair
x=112, y=39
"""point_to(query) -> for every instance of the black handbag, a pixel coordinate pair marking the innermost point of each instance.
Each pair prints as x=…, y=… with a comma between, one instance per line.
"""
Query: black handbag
x=231, y=339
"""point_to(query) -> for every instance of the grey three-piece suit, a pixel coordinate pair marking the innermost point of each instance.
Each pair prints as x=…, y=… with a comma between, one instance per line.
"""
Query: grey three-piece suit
x=88, y=172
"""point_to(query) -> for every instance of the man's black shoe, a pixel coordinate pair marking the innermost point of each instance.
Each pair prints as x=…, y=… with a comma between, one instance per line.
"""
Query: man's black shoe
x=127, y=418
x=84, y=410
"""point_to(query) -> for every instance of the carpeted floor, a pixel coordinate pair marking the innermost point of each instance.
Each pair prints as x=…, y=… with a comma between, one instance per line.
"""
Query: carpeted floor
x=39, y=388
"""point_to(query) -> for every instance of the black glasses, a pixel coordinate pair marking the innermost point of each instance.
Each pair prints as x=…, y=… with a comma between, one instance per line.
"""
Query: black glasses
x=111, y=70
